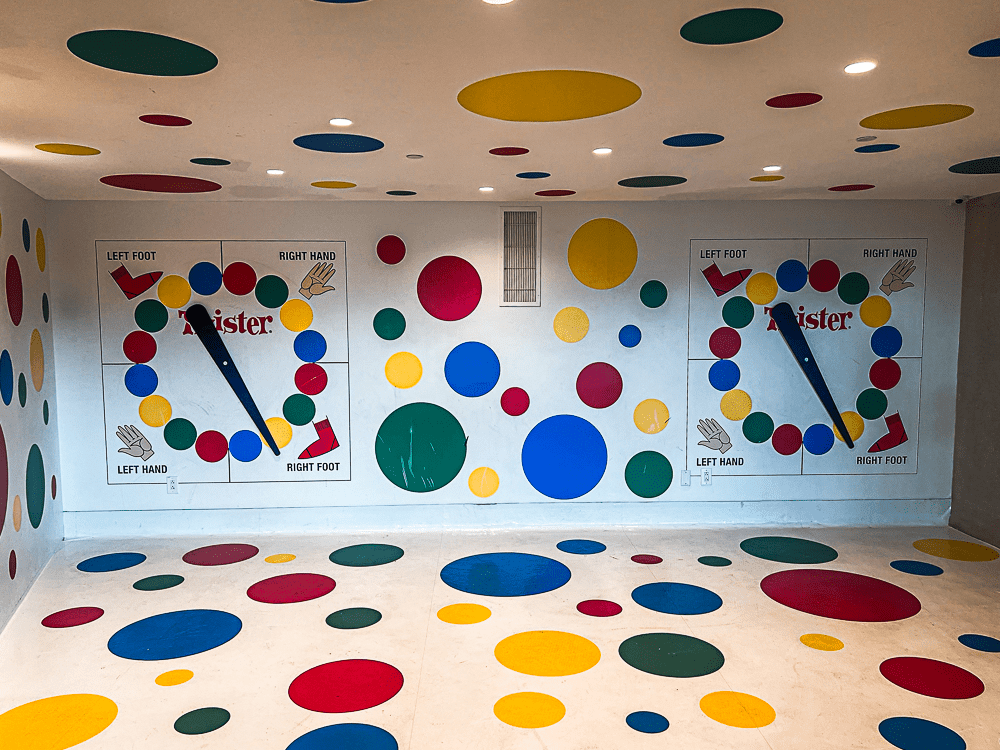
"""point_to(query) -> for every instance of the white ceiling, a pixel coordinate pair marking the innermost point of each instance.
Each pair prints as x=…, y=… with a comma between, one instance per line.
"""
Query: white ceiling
x=395, y=68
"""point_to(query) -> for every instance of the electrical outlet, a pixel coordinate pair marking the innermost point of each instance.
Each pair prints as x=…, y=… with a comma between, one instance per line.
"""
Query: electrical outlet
x=171, y=485
x=685, y=478
x=706, y=476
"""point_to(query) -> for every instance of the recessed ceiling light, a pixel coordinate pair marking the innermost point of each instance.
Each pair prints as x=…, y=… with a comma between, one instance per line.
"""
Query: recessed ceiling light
x=341, y=122
x=863, y=138
x=414, y=156
x=860, y=67
x=772, y=168
x=498, y=2
x=602, y=151
x=275, y=172
x=486, y=189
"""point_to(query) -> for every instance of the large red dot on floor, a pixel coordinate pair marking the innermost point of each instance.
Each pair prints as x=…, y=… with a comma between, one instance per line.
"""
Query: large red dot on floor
x=220, y=554
x=294, y=587
x=936, y=679
x=840, y=595
x=514, y=401
x=139, y=347
x=824, y=275
x=647, y=559
x=239, y=278
x=599, y=608
x=449, y=288
x=885, y=374
x=310, y=379
x=725, y=342
x=599, y=385
x=343, y=686
x=160, y=183
x=70, y=618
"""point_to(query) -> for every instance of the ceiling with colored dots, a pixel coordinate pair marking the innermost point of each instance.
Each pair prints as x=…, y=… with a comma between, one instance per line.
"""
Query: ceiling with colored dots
x=115, y=102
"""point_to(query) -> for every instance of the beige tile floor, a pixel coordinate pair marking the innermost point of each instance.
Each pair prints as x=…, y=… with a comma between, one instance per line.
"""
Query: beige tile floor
x=452, y=679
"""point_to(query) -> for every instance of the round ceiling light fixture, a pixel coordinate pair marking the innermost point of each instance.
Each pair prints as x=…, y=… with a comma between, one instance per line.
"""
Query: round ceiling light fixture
x=497, y=2
x=602, y=151
x=772, y=168
x=865, y=138
x=486, y=188
x=859, y=67
x=341, y=122
x=414, y=156
x=276, y=172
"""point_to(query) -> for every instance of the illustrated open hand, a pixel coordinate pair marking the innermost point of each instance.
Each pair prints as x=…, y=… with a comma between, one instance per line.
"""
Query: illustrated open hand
x=315, y=281
x=896, y=278
x=716, y=438
x=136, y=443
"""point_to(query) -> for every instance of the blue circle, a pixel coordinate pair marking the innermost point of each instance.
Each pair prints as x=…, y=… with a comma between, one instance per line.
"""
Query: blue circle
x=818, y=439
x=472, y=369
x=909, y=733
x=980, y=643
x=310, y=346
x=505, y=574
x=205, y=278
x=338, y=143
x=25, y=235
x=533, y=175
x=629, y=336
x=647, y=722
x=173, y=635
x=581, y=547
x=887, y=341
x=877, y=148
x=989, y=48
x=343, y=736
x=792, y=275
x=724, y=375
x=564, y=457
x=245, y=446
x=141, y=380
x=693, y=139
x=6, y=377
x=111, y=562
x=916, y=568
x=676, y=598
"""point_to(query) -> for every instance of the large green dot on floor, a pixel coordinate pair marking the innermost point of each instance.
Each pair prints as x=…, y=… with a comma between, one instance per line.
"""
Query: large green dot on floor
x=671, y=655
x=737, y=312
x=648, y=474
x=366, y=555
x=202, y=720
x=713, y=561
x=180, y=434
x=299, y=409
x=389, y=324
x=420, y=447
x=788, y=549
x=353, y=618
x=158, y=583
x=141, y=52
x=151, y=315
x=34, y=481
x=872, y=403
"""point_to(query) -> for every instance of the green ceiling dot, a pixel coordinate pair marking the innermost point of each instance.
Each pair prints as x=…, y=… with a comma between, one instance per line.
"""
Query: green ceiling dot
x=209, y=161
x=731, y=26
x=141, y=52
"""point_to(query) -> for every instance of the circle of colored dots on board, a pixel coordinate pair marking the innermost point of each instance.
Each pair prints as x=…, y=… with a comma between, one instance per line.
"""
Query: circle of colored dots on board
x=821, y=642
x=671, y=655
x=344, y=686
x=877, y=148
x=936, y=679
x=160, y=183
x=245, y=446
x=872, y=403
x=599, y=385
x=400, y=192
x=239, y=278
x=989, y=48
x=158, y=583
x=792, y=275
x=173, y=291
x=886, y=341
x=420, y=447
x=358, y=736
x=403, y=370
x=173, y=635
x=209, y=161
x=555, y=193
x=629, y=336
x=202, y=720
x=220, y=554
x=15, y=291
x=986, y=165
x=483, y=482
x=271, y=291
x=653, y=293
x=449, y=288
x=547, y=653
x=956, y=549
x=514, y=401
x=738, y=311
x=921, y=116
x=166, y=121
x=602, y=253
x=205, y=278
x=790, y=101
x=647, y=722
x=736, y=405
x=852, y=188
x=676, y=598
x=875, y=311
x=647, y=559
x=980, y=643
x=310, y=379
x=472, y=369
x=571, y=324
x=818, y=439
x=151, y=316
x=390, y=249
x=725, y=342
x=339, y=143
x=174, y=677
x=737, y=709
x=787, y=549
x=690, y=140
x=758, y=427
x=111, y=562
x=298, y=409
x=548, y=95
x=56, y=723
x=916, y=568
x=508, y=151
x=141, y=52
x=564, y=457
x=211, y=446
x=6, y=377
x=652, y=181
x=179, y=434
x=67, y=149
x=309, y=346
x=581, y=547
x=464, y=614
x=840, y=595
x=389, y=324
x=529, y=710
x=715, y=562
x=505, y=574
x=761, y=289
x=731, y=26
x=333, y=184
x=353, y=618
x=912, y=733
x=824, y=275
x=366, y=555
x=71, y=618
x=599, y=608
x=885, y=374
x=139, y=347
x=648, y=474
x=854, y=423
x=786, y=439
x=533, y=175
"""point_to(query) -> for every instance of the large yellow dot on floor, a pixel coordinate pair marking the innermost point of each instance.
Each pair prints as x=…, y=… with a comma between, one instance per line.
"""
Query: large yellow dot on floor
x=155, y=411
x=403, y=370
x=602, y=253
x=67, y=149
x=571, y=324
x=956, y=549
x=547, y=653
x=464, y=614
x=761, y=288
x=651, y=416
x=56, y=723
x=174, y=677
x=876, y=311
x=280, y=430
x=174, y=291
x=737, y=709
x=483, y=481
x=40, y=249
x=279, y=558
x=921, y=116
x=736, y=404
x=529, y=710
x=296, y=315
x=822, y=642
x=36, y=356
x=854, y=423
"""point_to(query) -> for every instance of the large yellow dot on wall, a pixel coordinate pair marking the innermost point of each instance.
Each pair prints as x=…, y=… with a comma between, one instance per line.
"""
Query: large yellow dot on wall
x=174, y=291
x=67, y=149
x=736, y=404
x=854, y=423
x=279, y=558
x=40, y=249
x=403, y=370
x=16, y=513
x=483, y=481
x=174, y=677
x=571, y=324
x=280, y=430
x=737, y=709
x=547, y=653
x=956, y=549
x=296, y=315
x=602, y=253
x=761, y=288
x=36, y=357
x=334, y=184
x=56, y=723
x=529, y=710
x=651, y=416
x=876, y=311
x=464, y=614
x=154, y=411
x=822, y=642
x=921, y=116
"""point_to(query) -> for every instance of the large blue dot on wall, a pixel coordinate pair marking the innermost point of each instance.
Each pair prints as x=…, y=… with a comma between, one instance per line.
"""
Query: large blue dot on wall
x=25, y=235
x=6, y=377
x=724, y=375
x=141, y=380
x=564, y=457
x=472, y=369
x=792, y=275
x=629, y=336
x=338, y=143
x=689, y=140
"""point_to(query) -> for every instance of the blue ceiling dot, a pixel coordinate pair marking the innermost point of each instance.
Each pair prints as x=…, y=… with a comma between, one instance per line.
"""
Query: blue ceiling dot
x=400, y=192
x=652, y=181
x=533, y=175
x=338, y=143
x=986, y=49
x=877, y=148
x=688, y=140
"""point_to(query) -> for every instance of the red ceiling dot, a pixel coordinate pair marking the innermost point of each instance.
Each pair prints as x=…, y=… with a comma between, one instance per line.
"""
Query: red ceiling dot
x=555, y=193
x=850, y=188
x=160, y=183
x=789, y=101
x=167, y=121
x=508, y=151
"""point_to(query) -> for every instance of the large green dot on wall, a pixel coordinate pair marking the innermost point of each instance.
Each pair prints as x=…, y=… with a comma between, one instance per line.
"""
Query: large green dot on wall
x=853, y=288
x=420, y=447
x=151, y=315
x=758, y=427
x=737, y=312
x=45, y=412
x=22, y=390
x=389, y=324
x=872, y=403
x=653, y=293
x=648, y=474
x=271, y=291
x=299, y=409
x=45, y=307
x=34, y=481
x=180, y=434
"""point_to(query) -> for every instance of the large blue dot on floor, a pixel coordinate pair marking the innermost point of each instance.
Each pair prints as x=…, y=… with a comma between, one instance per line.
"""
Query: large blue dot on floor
x=980, y=643
x=338, y=143
x=505, y=574
x=647, y=722
x=111, y=562
x=564, y=457
x=173, y=635
x=581, y=547
x=910, y=733
x=346, y=737
x=676, y=598
x=724, y=375
x=916, y=568
x=629, y=336
x=472, y=369
x=791, y=275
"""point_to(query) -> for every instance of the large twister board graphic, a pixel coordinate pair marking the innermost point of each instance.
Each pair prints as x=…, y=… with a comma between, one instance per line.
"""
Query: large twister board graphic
x=280, y=312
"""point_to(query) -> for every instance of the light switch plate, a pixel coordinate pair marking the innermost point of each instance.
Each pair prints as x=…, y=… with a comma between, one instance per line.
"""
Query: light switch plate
x=685, y=478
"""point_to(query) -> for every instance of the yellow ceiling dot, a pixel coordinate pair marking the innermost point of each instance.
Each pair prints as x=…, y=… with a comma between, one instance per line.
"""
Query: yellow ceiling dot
x=67, y=149
x=571, y=324
x=296, y=315
x=36, y=357
x=737, y=709
x=483, y=481
x=767, y=178
x=956, y=549
x=875, y=311
x=854, y=423
x=762, y=288
x=154, y=411
x=922, y=116
x=602, y=253
x=822, y=642
x=56, y=723
x=174, y=677
x=280, y=430
x=651, y=416
x=174, y=291
x=280, y=558
x=736, y=404
x=547, y=653
x=403, y=370
x=333, y=184
x=529, y=710
x=464, y=614
x=40, y=249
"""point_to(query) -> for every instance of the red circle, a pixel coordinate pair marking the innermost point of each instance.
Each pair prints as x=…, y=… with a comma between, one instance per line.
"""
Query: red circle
x=789, y=101
x=449, y=288
x=239, y=278
x=508, y=151
x=885, y=374
x=850, y=188
x=12, y=564
x=840, y=595
x=787, y=439
x=390, y=249
x=4, y=478
x=824, y=275
x=70, y=618
x=294, y=587
x=725, y=342
x=310, y=379
x=160, y=183
x=139, y=347
x=53, y=486
x=555, y=193
x=647, y=559
x=599, y=385
x=599, y=608
x=15, y=291
x=514, y=401
x=930, y=677
x=220, y=554
x=168, y=121
x=211, y=446
x=340, y=687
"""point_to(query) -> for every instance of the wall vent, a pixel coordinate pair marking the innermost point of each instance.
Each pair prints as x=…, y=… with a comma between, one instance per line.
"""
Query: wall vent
x=522, y=235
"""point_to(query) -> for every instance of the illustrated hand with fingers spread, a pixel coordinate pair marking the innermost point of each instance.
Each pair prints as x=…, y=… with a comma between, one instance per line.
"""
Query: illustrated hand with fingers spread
x=316, y=280
x=136, y=443
x=895, y=279
x=716, y=438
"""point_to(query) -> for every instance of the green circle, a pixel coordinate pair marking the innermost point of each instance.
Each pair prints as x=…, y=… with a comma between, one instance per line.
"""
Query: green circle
x=671, y=655
x=34, y=481
x=653, y=293
x=648, y=474
x=45, y=307
x=757, y=427
x=353, y=618
x=299, y=409
x=853, y=288
x=366, y=555
x=271, y=291
x=731, y=26
x=202, y=721
x=45, y=412
x=420, y=447
x=180, y=434
x=22, y=390
x=151, y=315
x=737, y=312
x=210, y=161
x=788, y=549
x=872, y=403
x=158, y=583
x=715, y=562
x=389, y=324
x=141, y=52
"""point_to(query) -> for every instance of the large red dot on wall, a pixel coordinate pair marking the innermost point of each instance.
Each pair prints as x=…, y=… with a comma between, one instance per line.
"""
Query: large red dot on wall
x=310, y=379
x=824, y=275
x=344, y=686
x=885, y=374
x=239, y=278
x=390, y=249
x=211, y=446
x=514, y=401
x=725, y=342
x=599, y=385
x=15, y=291
x=449, y=288
x=139, y=347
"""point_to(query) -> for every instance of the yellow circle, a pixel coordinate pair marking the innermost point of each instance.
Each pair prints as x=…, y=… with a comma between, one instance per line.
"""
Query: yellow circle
x=822, y=642
x=762, y=288
x=547, y=653
x=602, y=253
x=571, y=324
x=956, y=549
x=40, y=249
x=56, y=723
x=403, y=370
x=333, y=184
x=921, y=116
x=174, y=677
x=296, y=315
x=281, y=558
x=16, y=513
x=529, y=710
x=651, y=416
x=67, y=149
x=875, y=311
x=737, y=709
x=736, y=404
x=155, y=411
x=767, y=178
x=464, y=614
x=174, y=291
x=483, y=481
x=36, y=356
x=854, y=423
x=280, y=430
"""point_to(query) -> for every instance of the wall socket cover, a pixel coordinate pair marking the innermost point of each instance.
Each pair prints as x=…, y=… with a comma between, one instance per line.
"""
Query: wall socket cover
x=171, y=485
